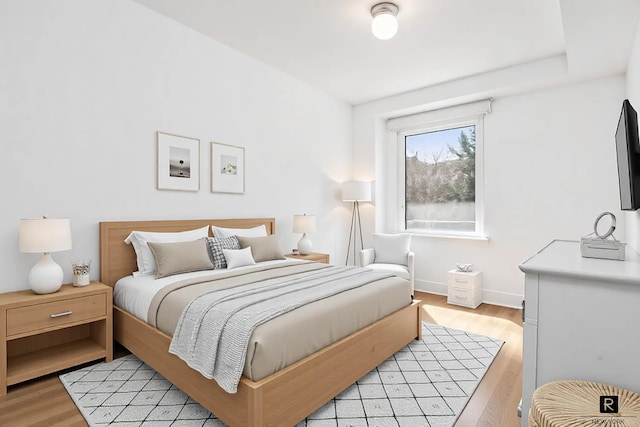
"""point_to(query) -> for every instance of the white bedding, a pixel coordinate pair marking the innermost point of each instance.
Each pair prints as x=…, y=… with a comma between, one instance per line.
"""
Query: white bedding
x=215, y=329
x=283, y=340
x=134, y=294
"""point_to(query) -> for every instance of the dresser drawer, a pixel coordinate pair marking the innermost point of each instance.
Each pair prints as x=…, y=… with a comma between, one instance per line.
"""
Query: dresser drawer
x=462, y=280
x=465, y=297
x=53, y=314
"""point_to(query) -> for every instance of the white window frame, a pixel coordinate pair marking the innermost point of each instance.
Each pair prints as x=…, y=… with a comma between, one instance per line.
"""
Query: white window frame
x=412, y=129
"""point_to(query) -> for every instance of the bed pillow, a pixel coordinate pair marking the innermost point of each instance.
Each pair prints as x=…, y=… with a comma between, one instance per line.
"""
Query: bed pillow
x=180, y=257
x=391, y=248
x=144, y=257
x=262, y=248
x=238, y=257
x=216, y=245
x=258, y=231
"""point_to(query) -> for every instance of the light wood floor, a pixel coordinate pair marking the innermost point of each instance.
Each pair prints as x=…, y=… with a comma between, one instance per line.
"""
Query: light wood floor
x=45, y=402
x=495, y=401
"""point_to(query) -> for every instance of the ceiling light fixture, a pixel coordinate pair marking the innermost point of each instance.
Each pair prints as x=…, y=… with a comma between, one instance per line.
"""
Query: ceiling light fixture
x=385, y=24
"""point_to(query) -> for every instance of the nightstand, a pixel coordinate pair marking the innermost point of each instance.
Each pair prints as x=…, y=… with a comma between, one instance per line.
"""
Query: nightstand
x=465, y=289
x=41, y=334
x=313, y=256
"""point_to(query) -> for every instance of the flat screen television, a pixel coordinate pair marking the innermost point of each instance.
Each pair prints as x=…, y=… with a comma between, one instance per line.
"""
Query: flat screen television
x=628, y=153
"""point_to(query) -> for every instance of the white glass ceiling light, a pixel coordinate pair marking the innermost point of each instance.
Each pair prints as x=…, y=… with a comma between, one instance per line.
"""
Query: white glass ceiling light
x=385, y=24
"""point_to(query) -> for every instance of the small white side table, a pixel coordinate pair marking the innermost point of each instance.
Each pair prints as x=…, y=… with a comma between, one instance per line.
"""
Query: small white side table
x=465, y=289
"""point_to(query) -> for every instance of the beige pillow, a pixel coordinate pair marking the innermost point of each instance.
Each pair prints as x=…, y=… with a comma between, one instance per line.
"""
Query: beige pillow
x=262, y=248
x=180, y=257
x=140, y=241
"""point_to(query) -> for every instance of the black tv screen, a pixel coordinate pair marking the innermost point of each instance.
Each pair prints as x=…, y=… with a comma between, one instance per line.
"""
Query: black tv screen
x=628, y=153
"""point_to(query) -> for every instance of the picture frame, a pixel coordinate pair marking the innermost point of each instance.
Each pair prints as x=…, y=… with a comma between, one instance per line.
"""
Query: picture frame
x=178, y=162
x=227, y=168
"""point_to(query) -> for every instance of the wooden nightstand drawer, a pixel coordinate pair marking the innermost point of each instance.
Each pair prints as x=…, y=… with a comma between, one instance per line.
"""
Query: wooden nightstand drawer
x=313, y=256
x=54, y=314
x=41, y=334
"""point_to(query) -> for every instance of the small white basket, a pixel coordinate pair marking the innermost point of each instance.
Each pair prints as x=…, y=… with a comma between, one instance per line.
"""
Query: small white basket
x=81, y=270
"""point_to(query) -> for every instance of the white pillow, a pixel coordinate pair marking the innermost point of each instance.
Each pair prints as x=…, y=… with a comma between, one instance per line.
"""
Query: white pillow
x=259, y=231
x=391, y=248
x=238, y=257
x=144, y=256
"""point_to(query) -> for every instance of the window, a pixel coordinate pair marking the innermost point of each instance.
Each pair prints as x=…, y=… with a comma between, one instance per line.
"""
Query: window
x=440, y=174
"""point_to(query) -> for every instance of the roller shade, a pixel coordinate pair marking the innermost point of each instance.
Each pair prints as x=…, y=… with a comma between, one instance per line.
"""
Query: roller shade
x=443, y=114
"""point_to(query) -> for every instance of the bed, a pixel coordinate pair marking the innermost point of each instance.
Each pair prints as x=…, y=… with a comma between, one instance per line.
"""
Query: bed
x=281, y=399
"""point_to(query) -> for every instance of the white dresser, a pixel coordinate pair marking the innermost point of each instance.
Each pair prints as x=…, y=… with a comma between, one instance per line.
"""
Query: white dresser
x=465, y=288
x=582, y=319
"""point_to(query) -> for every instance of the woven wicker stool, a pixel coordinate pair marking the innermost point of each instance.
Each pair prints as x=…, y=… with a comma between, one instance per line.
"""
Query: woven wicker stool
x=577, y=404
x=532, y=422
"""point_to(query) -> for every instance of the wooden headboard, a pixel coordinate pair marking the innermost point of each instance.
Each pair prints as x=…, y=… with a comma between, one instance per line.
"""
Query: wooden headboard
x=118, y=259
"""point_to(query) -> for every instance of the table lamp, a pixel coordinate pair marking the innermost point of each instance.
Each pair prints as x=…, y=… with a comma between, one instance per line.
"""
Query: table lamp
x=304, y=224
x=45, y=235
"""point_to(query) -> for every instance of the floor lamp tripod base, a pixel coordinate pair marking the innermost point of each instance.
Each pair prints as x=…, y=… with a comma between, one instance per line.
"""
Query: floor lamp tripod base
x=354, y=230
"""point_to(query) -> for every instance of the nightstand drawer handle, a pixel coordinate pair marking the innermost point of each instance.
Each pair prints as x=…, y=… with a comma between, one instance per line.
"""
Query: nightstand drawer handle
x=64, y=313
x=461, y=281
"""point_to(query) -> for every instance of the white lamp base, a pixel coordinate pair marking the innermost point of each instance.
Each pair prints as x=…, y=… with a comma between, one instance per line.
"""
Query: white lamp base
x=304, y=245
x=46, y=276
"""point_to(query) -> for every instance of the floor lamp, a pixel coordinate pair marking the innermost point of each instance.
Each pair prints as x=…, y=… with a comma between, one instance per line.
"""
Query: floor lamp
x=356, y=192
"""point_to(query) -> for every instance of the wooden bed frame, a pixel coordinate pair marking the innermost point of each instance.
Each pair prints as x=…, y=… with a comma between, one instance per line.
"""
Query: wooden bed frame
x=282, y=399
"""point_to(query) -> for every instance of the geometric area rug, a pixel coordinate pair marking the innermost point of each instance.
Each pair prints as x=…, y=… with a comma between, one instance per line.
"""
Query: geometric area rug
x=425, y=384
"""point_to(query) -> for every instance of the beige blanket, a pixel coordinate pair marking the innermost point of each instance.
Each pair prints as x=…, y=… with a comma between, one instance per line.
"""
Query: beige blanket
x=168, y=304
x=213, y=331
x=290, y=337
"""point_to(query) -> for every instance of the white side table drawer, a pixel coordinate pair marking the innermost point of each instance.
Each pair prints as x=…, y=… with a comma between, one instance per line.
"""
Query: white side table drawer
x=460, y=279
x=465, y=289
x=463, y=297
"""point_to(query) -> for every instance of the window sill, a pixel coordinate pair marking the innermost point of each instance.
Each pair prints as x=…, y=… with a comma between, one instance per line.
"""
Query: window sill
x=455, y=236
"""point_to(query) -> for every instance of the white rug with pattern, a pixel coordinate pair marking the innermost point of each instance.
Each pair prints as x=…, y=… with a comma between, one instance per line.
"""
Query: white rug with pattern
x=425, y=384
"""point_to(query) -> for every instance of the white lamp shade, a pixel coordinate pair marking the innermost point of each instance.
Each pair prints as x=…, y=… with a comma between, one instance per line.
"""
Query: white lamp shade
x=44, y=235
x=356, y=191
x=304, y=223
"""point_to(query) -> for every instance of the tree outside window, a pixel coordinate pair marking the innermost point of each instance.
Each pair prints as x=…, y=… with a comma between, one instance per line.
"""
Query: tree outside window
x=440, y=180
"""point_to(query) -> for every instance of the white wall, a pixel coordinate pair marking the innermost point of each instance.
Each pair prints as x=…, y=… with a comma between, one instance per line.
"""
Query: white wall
x=86, y=84
x=549, y=170
x=632, y=235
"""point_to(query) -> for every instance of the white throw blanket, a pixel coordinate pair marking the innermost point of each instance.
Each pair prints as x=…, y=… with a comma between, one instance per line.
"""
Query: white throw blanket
x=213, y=332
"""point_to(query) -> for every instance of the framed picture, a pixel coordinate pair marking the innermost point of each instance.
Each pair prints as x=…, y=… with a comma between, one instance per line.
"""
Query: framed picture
x=227, y=168
x=178, y=162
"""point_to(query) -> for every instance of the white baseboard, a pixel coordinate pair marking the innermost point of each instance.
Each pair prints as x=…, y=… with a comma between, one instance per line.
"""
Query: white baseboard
x=503, y=299
x=431, y=287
